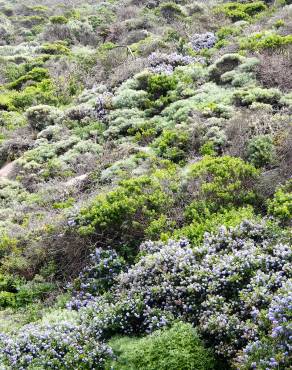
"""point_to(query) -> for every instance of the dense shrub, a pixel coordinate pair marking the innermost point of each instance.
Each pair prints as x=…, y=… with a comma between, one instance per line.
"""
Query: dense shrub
x=57, y=48
x=209, y=222
x=172, y=145
x=261, y=151
x=220, y=182
x=176, y=348
x=41, y=116
x=123, y=215
x=42, y=93
x=224, y=287
x=37, y=74
x=265, y=41
x=170, y=11
x=281, y=205
x=58, y=19
x=242, y=11
x=15, y=292
x=121, y=123
x=58, y=346
x=160, y=85
x=226, y=63
x=247, y=96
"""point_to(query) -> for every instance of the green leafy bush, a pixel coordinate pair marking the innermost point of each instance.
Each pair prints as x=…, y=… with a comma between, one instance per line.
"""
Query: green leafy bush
x=41, y=116
x=247, y=96
x=57, y=48
x=220, y=182
x=42, y=93
x=177, y=348
x=241, y=11
x=264, y=40
x=172, y=145
x=37, y=74
x=123, y=214
x=160, y=85
x=58, y=19
x=210, y=222
x=281, y=205
x=261, y=151
x=160, y=89
x=15, y=292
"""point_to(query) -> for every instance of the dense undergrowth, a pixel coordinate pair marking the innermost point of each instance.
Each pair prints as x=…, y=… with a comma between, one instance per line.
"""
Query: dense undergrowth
x=145, y=185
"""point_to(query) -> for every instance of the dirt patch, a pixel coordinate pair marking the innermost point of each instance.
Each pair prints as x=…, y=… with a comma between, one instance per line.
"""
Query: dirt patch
x=7, y=169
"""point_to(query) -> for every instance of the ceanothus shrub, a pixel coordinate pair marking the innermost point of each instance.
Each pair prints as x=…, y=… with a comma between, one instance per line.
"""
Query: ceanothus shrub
x=165, y=63
x=223, y=287
x=62, y=346
x=96, y=278
x=201, y=41
x=272, y=351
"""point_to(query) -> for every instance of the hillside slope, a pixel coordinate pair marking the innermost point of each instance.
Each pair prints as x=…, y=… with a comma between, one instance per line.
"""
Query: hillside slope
x=145, y=184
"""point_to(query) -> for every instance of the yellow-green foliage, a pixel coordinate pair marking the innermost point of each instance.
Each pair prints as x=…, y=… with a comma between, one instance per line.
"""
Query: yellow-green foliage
x=210, y=222
x=57, y=48
x=177, y=348
x=172, y=145
x=281, y=205
x=58, y=19
x=220, y=182
x=241, y=11
x=128, y=210
x=265, y=40
x=37, y=74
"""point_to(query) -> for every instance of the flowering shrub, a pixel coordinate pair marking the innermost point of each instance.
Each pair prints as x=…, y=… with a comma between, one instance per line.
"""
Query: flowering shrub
x=272, y=351
x=96, y=278
x=223, y=287
x=201, y=41
x=165, y=63
x=64, y=346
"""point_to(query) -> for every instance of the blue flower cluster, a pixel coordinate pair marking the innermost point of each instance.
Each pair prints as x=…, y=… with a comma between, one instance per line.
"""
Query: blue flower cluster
x=272, y=350
x=223, y=287
x=60, y=346
x=97, y=278
x=165, y=63
x=201, y=41
x=235, y=288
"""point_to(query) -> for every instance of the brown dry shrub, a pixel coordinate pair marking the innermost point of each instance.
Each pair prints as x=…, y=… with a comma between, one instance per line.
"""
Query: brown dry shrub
x=275, y=69
x=247, y=124
x=127, y=70
x=284, y=152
